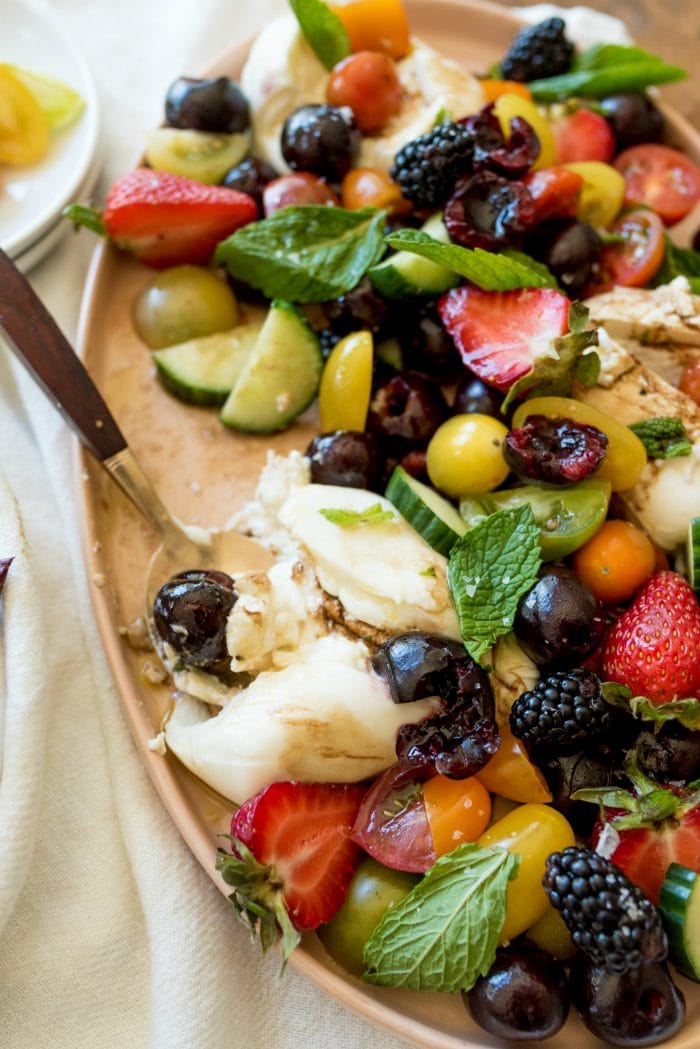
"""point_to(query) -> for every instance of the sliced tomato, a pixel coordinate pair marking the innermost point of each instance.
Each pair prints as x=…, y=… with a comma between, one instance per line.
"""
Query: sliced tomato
x=458, y=810
x=633, y=262
x=555, y=191
x=661, y=178
x=392, y=825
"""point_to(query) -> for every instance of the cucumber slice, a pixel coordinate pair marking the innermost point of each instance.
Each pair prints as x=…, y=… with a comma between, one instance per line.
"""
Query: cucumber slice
x=205, y=370
x=679, y=903
x=404, y=274
x=202, y=155
x=281, y=376
x=693, y=554
x=567, y=517
x=436, y=520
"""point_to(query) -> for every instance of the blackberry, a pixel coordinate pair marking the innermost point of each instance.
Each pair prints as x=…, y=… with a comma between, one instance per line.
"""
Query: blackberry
x=563, y=712
x=609, y=918
x=427, y=168
x=540, y=50
x=328, y=339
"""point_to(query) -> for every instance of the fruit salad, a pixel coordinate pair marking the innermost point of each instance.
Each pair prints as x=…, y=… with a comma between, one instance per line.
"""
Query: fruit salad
x=458, y=721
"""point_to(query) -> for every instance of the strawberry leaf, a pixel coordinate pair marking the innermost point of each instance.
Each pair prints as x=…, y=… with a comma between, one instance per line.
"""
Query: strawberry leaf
x=90, y=218
x=685, y=711
x=552, y=375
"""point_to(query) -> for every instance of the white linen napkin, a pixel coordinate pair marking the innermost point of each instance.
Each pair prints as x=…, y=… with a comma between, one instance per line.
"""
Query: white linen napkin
x=110, y=933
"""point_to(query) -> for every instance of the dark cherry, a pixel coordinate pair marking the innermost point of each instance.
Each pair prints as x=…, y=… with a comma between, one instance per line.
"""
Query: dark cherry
x=321, y=139
x=671, y=754
x=250, y=176
x=362, y=307
x=569, y=249
x=190, y=613
x=559, y=622
x=5, y=563
x=567, y=773
x=405, y=411
x=217, y=104
x=523, y=996
x=427, y=347
x=633, y=118
x=511, y=158
x=641, y=1008
x=475, y=397
x=696, y=240
x=556, y=451
x=416, y=464
x=346, y=458
x=487, y=211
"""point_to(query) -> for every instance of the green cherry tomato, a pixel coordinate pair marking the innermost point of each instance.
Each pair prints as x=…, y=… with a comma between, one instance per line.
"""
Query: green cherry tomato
x=373, y=890
x=465, y=455
x=184, y=302
x=568, y=517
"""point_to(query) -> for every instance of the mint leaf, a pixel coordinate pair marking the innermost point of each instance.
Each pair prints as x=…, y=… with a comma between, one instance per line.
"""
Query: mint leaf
x=607, y=69
x=323, y=30
x=308, y=253
x=489, y=569
x=679, y=262
x=685, y=711
x=488, y=270
x=374, y=514
x=663, y=437
x=444, y=934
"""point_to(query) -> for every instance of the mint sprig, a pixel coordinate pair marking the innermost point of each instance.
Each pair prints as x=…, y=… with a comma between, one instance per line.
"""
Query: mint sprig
x=607, y=69
x=374, y=514
x=664, y=437
x=307, y=253
x=679, y=262
x=323, y=30
x=443, y=935
x=489, y=569
x=490, y=271
x=685, y=711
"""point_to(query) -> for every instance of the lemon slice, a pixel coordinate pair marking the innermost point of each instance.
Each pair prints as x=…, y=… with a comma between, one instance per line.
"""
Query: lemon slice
x=59, y=103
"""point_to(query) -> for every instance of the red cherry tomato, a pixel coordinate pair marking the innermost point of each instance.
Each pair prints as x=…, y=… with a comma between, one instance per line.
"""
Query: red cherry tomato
x=555, y=191
x=635, y=260
x=368, y=83
x=584, y=135
x=661, y=178
x=298, y=188
x=392, y=825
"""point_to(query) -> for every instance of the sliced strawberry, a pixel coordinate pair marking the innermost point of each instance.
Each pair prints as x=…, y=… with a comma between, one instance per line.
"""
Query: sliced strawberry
x=501, y=335
x=654, y=648
x=167, y=219
x=584, y=135
x=555, y=192
x=646, y=854
x=295, y=859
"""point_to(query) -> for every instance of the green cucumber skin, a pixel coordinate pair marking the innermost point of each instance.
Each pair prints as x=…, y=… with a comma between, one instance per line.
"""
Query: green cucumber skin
x=433, y=529
x=201, y=398
x=694, y=554
x=405, y=275
x=680, y=887
x=194, y=374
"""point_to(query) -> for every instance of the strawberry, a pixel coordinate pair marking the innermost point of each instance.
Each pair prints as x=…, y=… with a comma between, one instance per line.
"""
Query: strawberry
x=654, y=648
x=167, y=219
x=555, y=192
x=501, y=335
x=293, y=858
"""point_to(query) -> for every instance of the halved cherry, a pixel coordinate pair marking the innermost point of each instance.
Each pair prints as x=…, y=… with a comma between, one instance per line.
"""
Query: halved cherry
x=660, y=177
x=392, y=824
x=555, y=191
x=635, y=259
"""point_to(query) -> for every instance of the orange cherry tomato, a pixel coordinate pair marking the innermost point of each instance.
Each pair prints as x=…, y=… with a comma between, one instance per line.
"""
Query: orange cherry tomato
x=511, y=774
x=690, y=381
x=633, y=262
x=493, y=89
x=616, y=561
x=662, y=178
x=458, y=810
x=376, y=25
x=368, y=83
x=367, y=188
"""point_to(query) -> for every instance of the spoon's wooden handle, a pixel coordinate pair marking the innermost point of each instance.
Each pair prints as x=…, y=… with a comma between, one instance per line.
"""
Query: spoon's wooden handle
x=44, y=350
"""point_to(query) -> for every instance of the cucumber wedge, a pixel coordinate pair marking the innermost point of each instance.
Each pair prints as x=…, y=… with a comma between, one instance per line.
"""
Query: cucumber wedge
x=693, y=554
x=280, y=377
x=204, y=371
x=405, y=275
x=679, y=903
x=436, y=520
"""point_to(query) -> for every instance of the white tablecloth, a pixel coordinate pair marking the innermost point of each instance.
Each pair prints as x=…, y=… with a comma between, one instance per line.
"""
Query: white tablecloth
x=111, y=936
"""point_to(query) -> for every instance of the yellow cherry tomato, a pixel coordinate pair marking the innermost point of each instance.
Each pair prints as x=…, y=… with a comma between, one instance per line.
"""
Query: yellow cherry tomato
x=24, y=130
x=513, y=104
x=346, y=384
x=625, y=456
x=533, y=832
x=511, y=774
x=458, y=810
x=551, y=934
x=602, y=194
x=465, y=455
